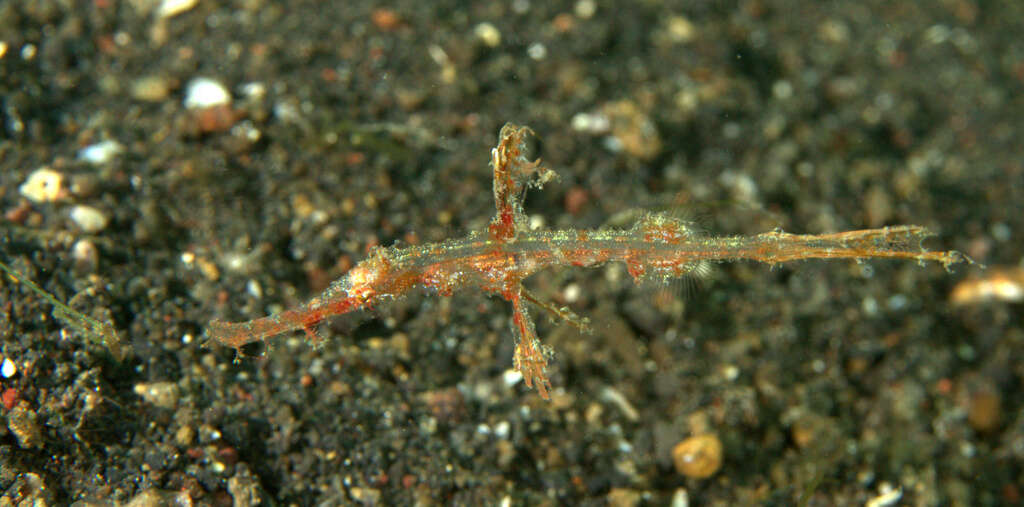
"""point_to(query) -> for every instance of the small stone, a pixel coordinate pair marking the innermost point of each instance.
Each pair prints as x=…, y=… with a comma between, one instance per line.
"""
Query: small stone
x=699, y=456
x=203, y=93
x=8, y=398
x=160, y=394
x=506, y=451
x=85, y=256
x=208, y=269
x=681, y=30
x=21, y=421
x=984, y=410
x=633, y=130
x=154, y=497
x=185, y=436
x=681, y=498
x=151, y=89
x=44, y=185
x=623, y=497
x=488, y=34
x=511, y=377
x=445, y=404
x=385, y=19
x=29, y=489
x=171, y=8
x=366, y=496
x=89, y=219
x=84, y=185
x=999, y=284
x=585, y=9
x=8, y=369
x=100, y=153
x=244, y=490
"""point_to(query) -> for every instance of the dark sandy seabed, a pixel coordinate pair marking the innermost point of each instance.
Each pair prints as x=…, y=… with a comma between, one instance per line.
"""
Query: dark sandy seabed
x=353, y=125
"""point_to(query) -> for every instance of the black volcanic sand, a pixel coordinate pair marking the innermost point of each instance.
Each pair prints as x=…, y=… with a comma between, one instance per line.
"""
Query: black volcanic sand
x=352, y=125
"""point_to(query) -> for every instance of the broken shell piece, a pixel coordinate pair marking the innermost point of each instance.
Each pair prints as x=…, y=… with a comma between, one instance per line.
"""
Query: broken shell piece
x=1001, y=284
x=171, y=8
x=44, y=185
x=203, y=93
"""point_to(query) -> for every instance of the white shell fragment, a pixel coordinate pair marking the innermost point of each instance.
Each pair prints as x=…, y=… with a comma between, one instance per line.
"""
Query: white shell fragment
x=203, y=92
x=999, y=284
x=171, y=8
x=89, y=219
x=44, y=185
x=101, y=152
x=8, y=369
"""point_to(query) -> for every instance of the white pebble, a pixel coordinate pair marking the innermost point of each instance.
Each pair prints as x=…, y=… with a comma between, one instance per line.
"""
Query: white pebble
x=537, y=51
x=511, y=377
x=203, y=92
x=488, y=34
x=89, y=219
x=171, y=8
x=85, y=255
x=44, y=185
x=591, y=123
x=501, y=430
x=254, y=90
x=8, y=369
x=572, y=292
x=101, y=152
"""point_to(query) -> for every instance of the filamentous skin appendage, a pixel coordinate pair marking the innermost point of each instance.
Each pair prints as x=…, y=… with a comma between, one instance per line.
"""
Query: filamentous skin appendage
x=497, y=260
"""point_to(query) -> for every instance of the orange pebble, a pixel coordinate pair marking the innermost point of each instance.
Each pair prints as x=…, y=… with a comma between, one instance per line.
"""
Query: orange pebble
x=699, y=456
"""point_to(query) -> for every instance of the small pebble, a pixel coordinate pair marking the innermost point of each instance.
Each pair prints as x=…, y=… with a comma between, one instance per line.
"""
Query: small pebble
x=984, y=410
x=585, y=8
x=633, y=129
x=8, y=398
x=185, y=436
x=511, y=377
x=681, y=498
x=89, y=219
x=171, y=8
x=44, y=185
x=488, y=34
x=8, y=369
x=699, y=456
x=681, y=29
x=21, y=421
x=85, y=256
x=153, y=497
x=385, y=19
x=160, y=394
x=203, y=92
x=150, y=89
x=365, y=496
x=999, y=284
x=101, y=152
x=623, y=497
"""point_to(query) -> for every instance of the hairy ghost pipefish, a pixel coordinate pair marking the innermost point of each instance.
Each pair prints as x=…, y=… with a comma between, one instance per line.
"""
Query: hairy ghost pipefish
x=498, y=259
